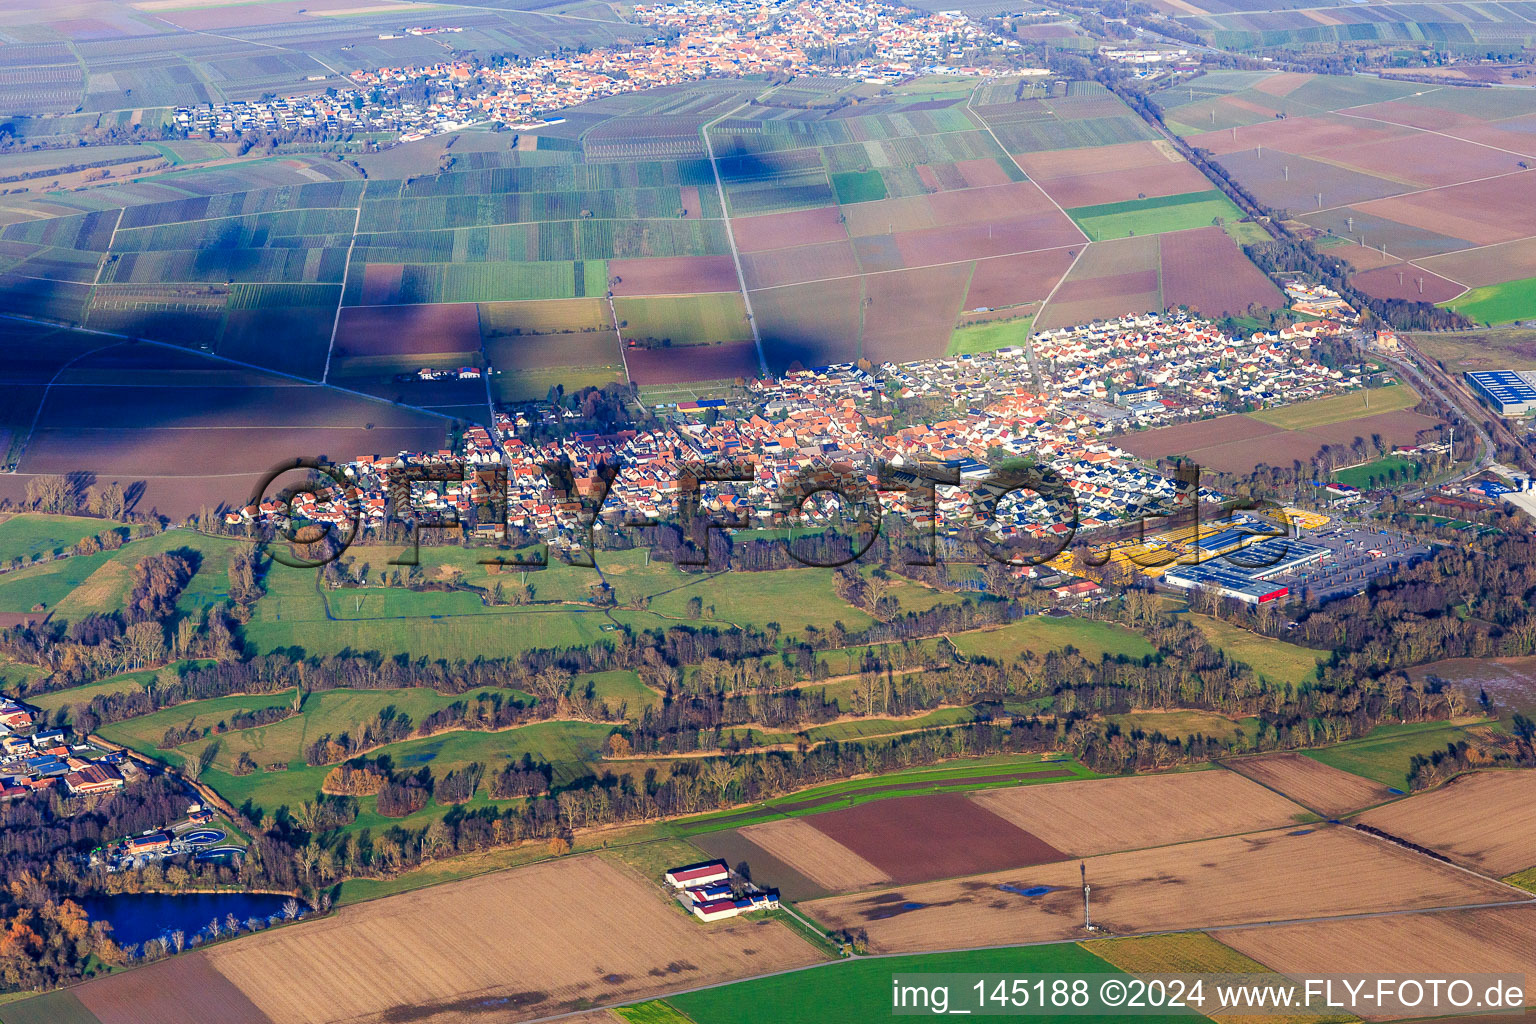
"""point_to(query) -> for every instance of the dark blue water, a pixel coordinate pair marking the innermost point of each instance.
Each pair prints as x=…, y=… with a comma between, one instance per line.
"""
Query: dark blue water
x=139, y=917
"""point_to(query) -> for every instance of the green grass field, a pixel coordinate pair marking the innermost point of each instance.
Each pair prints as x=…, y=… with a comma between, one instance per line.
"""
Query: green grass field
x=1038, y=633
x=1320, y=412
x=1274, y=660
x=570, y=747
x=1498, y=303
x=858, y=187
x=1379, y=472
x=1184, y=724
x=685, y=319
x=860, y=990
x=1383, y=755
x=33, y=534
x=989, y=337
x=1154, y=216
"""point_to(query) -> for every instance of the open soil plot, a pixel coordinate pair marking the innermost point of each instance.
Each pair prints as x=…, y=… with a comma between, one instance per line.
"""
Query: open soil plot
x=1042, y=230
x=1110, y=279
x=286, y=340
x=381, y=283
x=1508, y=261
x=1426, y=160
x=144, y=432
x=1312, y=784
x=1400, y=427
x=1188, y=438
x=910, y=314
x=810, y=324
x=734, y=848
x=407, y=330
x=1112, y=174
x=938, y=835
x=1486, y=820
x=1405, y=281
x=692, y=362
x=1495, y=941
x=1205, y=270
x=1284, y=181
x=1482, y=212
x=828, y=863
x=1105, y=815
x=1402, y=241
x=799, y=264
x=1283, y=448
x=1274, y=876
x=778, y=230
x=1011, y=280
x=529, y=942
x=537, y=351
x=182, y=990
x=1301, y=136
x=673, y=275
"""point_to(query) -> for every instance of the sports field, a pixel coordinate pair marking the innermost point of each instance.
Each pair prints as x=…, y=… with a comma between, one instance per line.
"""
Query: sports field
x=971, y=339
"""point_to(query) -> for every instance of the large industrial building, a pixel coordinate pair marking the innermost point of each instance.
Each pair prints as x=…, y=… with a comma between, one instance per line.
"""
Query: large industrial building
x=1509, y=392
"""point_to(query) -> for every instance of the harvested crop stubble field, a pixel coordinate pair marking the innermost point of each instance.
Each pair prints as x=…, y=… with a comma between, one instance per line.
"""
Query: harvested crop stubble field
x=1105, y=815
x=1496, y=940
x=530, y=942
x=1310, y=783
x=1274, y=876
x=1486, y=820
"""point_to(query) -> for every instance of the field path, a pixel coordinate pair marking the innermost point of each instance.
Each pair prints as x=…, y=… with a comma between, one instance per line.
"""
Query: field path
x=969, y=110
x=341, y=299
x=730, y=236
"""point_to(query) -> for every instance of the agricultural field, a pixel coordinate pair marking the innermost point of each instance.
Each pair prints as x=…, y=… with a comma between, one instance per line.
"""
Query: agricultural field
x=1154, y=216
x=1237, y=444
x=1497, y=349
x=856, y=990
x=35, y=536
x=1486, y=821
x=539, y=939
x=1326, y=872
x=1430, y=184
x=1087, y=818
x=1327, y=790
x=1496, y=940
x=684, y=319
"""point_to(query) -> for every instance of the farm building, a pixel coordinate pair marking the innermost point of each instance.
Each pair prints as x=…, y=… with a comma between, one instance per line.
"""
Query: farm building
x=1509, y=392
x=705, y=889
x=695, y=876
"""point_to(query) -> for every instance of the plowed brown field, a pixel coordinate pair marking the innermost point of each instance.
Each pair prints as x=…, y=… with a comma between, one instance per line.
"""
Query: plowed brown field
x=822, y=859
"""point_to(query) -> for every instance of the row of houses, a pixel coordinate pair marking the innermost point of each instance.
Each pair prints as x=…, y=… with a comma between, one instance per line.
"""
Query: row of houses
x=837, y=423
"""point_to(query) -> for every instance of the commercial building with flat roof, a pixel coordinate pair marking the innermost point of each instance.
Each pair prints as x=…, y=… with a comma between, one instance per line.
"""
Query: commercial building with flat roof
x=1509, y=392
